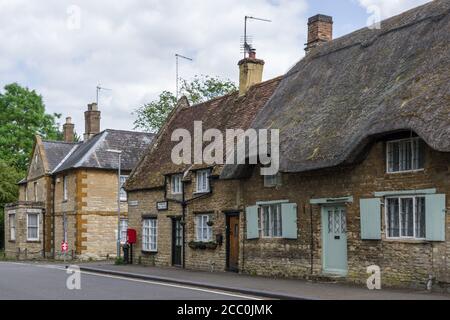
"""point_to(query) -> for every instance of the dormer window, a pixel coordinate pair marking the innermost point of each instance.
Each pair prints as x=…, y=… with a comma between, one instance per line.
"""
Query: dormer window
x=271, y=181
x=203, y=181
x=176, y=184
x=405, y=155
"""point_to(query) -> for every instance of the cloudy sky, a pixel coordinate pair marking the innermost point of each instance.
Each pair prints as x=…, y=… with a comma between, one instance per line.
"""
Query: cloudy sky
x=64, y=49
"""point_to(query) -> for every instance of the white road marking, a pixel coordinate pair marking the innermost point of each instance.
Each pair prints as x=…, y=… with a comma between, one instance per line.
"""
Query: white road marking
x=55, y=267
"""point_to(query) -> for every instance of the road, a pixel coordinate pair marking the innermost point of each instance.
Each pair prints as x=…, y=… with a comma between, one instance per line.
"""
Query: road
x=31, y=281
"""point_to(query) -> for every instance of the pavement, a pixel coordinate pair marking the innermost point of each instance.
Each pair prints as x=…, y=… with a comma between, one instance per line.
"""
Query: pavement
x=43, y=281
x=258, y=286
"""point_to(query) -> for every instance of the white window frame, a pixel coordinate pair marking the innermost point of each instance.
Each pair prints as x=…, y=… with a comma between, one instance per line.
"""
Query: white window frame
x=123, y=193
x=28, y=226
x=386, y=217
x=271, y=226
x=65, y=192
x=123, y=231
x=150, y=230
x=176, y=184
x=389, y=144
x=202, y=181
x=201, y=226
x=12, y=226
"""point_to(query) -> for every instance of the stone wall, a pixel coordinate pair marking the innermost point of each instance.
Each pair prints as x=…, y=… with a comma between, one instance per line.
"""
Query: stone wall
x=225, y=197
x=21, y=247
x=403, y=263
x=91, y=209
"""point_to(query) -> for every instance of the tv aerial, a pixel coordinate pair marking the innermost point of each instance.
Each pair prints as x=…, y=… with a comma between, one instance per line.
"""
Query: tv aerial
x=99, y=88
x=247, y=46
x=177, y=57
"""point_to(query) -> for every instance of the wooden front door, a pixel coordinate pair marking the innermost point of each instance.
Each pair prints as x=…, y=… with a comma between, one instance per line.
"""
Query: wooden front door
x=334, y=235
x=177, y=242
x=233, y=242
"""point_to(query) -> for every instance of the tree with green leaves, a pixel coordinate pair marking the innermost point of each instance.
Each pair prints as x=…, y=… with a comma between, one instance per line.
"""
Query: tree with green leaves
x=22, y=115
x=9, y=176
x=151, y=116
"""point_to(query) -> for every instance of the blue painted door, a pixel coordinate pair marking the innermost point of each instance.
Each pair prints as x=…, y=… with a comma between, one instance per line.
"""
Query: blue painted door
x=334, y=236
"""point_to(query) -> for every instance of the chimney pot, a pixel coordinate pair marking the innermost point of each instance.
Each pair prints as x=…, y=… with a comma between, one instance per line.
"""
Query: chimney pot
x=69, y=130
x=320, y=30
x=250, y=72
x=91, y=121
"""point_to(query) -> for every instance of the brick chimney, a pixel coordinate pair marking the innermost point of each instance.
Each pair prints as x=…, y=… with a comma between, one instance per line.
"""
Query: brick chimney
x=320, y=30
x=69, y=130
x=250, y=72
x=91, y=121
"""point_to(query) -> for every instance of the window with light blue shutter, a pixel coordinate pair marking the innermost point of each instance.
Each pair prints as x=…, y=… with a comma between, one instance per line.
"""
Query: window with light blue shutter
x=289, y=220
x=251, y=216
x=435, y=217
x=370, y=214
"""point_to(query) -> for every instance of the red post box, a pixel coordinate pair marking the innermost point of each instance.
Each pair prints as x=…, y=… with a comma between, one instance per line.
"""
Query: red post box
x=131, y=236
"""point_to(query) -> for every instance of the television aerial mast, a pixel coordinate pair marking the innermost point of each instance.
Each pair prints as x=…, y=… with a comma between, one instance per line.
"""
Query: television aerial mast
x=99, y=88
x=177, y=56
x=247, y=46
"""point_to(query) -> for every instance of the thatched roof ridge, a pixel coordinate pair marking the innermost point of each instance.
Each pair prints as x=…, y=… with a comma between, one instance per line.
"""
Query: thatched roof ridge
x=370, y=82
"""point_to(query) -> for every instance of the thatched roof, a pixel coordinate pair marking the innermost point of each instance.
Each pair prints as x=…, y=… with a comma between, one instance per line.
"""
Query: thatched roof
x=346, y=92
x=227, y=112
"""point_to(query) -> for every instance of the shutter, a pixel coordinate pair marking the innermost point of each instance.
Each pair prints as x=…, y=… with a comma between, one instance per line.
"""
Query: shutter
x=251, y=216
x=370, y=214
x=289, y=220
x=435, y=217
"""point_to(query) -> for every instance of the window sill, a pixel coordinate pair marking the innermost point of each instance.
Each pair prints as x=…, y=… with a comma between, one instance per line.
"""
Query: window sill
x=12, y=241
x=405, y=172
x=201, y=192
x=407, y=241
x=33, y=241
x=149, y=252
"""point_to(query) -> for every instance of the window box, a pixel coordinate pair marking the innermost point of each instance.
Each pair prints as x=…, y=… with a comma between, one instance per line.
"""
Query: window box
x=198, y=245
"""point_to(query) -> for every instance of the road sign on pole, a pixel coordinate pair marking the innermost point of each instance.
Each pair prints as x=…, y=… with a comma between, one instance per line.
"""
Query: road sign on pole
x=64, y=246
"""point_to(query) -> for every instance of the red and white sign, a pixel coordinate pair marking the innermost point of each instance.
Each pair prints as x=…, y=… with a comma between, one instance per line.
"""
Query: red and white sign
x=64, y=246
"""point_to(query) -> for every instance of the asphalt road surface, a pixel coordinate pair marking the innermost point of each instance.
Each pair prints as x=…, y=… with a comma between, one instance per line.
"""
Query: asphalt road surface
x=28, y=281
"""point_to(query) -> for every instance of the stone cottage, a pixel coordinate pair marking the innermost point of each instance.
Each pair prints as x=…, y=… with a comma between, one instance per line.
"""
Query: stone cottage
x=70, y=193
x=364, y=173
x=364, y=176
x=181, y=211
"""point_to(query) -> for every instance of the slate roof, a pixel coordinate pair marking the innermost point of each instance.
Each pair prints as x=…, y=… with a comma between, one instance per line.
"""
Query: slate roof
x=56, y=151
x=348, y=92
x=227, y=112
x=93, y=152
